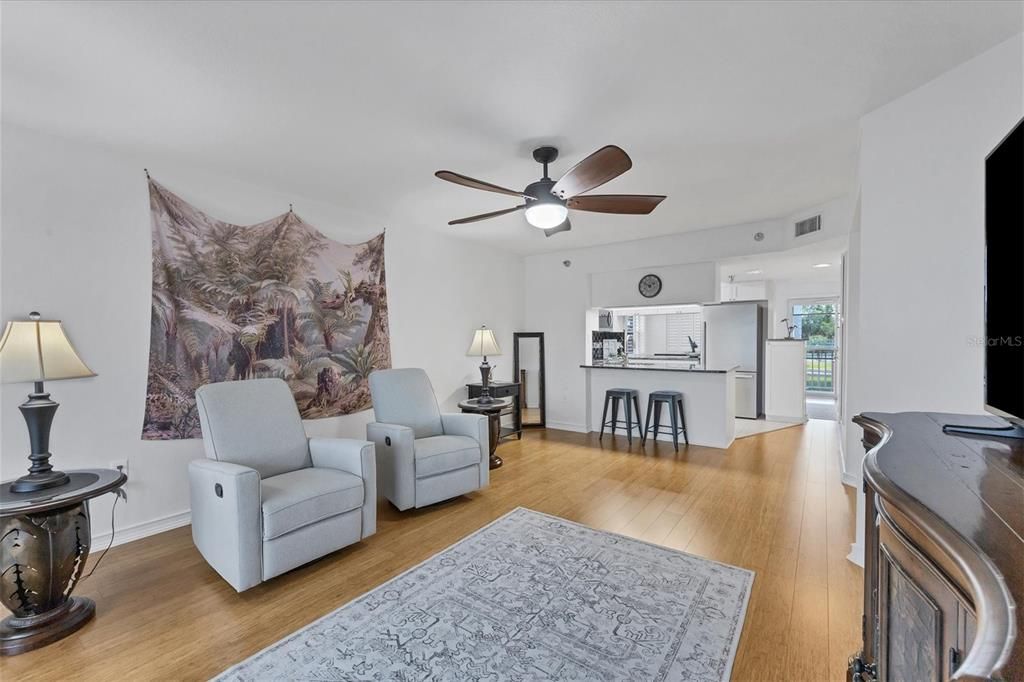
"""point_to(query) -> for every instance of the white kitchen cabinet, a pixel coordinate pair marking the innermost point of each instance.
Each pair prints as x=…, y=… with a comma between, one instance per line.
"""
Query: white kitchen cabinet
x=785, y=398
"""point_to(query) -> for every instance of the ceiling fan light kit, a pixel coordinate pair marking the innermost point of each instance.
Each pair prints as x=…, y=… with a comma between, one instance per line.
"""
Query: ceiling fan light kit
x=548, y=202
x=545, y=215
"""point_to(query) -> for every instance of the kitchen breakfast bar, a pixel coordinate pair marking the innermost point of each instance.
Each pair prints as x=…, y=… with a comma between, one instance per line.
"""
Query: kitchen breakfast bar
x=709, y=399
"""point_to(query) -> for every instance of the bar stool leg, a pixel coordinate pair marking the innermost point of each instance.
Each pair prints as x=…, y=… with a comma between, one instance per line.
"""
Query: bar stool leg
x=629, y=421
x=657, y=419
x=604, y=417
x=615, y=413
x=647, y=420
x=636, y=406
x=682, y=417
x=675, y=426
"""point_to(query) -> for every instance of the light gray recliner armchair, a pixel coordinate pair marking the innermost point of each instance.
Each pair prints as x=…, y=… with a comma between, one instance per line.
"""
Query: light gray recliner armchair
x=423, y=456
x=267, y=498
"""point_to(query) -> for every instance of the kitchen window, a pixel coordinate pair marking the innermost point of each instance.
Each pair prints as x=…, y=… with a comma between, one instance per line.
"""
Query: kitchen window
x=633, y=326
x=680, y=328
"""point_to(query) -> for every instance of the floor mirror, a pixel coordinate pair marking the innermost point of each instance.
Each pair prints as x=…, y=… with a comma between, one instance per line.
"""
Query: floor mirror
x=528, y=366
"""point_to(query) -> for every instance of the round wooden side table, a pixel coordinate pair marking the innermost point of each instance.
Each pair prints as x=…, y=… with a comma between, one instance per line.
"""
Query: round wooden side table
x=492, y=410
x=45, y=537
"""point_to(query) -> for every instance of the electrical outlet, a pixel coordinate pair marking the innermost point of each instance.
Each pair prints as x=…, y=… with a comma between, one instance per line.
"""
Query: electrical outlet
x=120, y=465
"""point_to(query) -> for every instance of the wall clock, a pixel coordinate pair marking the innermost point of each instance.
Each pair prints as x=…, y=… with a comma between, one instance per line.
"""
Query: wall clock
x=650, y=286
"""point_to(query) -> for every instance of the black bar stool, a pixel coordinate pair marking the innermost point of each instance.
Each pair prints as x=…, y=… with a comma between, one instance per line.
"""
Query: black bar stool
x=631, y=398
x=672, y=399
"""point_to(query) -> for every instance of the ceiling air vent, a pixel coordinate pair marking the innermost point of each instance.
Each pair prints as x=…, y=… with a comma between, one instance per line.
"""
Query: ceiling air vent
x=807, y=226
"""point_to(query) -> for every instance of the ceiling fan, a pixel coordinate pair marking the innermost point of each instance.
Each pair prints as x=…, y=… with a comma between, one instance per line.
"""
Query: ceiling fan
x=547, y=202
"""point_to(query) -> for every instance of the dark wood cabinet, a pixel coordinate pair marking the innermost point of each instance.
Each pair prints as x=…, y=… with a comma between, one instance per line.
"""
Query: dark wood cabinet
x=921, y=614
x=943, y=548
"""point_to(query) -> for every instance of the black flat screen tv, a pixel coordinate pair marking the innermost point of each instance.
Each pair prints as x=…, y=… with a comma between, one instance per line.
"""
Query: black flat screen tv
x=1004, y=278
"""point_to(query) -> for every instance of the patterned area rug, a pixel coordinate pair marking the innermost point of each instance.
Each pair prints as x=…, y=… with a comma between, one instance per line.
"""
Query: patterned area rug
x=528, y=597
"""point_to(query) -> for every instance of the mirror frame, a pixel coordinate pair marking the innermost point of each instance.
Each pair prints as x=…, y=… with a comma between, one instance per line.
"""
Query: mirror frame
x=515, y=373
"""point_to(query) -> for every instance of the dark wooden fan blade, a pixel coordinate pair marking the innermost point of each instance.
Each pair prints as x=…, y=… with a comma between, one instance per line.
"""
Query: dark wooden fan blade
x=637, y=204
x=485, y=216
x=598, y=168
x=467, y=181
x=564, y=227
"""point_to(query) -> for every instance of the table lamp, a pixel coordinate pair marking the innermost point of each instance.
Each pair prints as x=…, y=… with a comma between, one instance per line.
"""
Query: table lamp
x=36, y=350
x=484, y=344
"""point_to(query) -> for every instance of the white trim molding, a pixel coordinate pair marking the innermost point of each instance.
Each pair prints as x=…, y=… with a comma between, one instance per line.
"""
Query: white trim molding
x=856, y=554
x=845, y=476
x=139, y=530
x=566, y=426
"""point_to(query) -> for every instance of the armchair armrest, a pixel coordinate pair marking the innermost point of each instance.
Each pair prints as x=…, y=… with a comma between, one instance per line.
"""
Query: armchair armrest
x=227, y=519
x=471, y=425
x=346, y=454
x=355, y=457
x=474, y=426
x=396, y=465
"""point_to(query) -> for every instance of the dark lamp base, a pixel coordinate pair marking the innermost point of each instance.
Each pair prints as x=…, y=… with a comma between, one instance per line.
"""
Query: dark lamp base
x=30, y=483
x=38, y=411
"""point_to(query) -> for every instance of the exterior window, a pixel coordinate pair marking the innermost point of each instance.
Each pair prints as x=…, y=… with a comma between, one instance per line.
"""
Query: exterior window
x=816, y=322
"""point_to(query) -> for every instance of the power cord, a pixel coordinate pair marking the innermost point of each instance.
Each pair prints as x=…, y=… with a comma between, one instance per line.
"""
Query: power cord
x=117, y=496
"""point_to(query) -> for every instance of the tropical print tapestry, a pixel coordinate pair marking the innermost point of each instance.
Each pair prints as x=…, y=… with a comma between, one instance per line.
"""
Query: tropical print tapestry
x=275, y=299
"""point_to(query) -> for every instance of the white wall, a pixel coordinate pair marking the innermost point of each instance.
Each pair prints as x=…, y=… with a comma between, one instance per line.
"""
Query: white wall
x=689, y=283
x=654, y=334
x=921, y=246
x=918, y=293
x=75, y=245
x=558, y=297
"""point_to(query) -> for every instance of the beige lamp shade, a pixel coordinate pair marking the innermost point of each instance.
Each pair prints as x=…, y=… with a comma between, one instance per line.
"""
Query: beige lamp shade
x=483, y=344
x=38, y=350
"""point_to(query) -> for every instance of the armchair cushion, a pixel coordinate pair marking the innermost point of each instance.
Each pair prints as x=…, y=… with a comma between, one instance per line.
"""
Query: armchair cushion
x=405, y=396
x=300, y=498
x=440, y=454
x=253, y=422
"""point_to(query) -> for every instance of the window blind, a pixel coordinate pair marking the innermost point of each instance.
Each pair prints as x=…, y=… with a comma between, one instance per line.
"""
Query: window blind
x=679, y=326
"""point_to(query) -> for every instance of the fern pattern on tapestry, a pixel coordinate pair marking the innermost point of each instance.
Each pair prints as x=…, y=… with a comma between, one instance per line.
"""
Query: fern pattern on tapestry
x=275, y=299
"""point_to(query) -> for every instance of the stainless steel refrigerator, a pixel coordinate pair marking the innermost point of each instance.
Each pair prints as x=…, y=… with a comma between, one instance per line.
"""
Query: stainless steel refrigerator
x=734, y=336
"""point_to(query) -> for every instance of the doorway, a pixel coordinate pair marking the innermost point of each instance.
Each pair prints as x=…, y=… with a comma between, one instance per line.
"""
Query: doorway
x=816, y=320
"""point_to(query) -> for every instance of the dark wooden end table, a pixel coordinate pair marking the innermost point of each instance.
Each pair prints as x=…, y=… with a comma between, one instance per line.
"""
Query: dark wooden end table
x=44, y=543
x=492, y=411
x=504, y=389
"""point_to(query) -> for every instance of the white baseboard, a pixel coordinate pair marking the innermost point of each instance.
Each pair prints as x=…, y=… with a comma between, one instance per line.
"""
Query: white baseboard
x=566, y=426
x=137, y=531
x=856, y=554
x=846, y=477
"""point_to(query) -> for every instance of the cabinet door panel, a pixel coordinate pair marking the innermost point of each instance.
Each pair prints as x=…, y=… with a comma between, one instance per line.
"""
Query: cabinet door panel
x=920, y=615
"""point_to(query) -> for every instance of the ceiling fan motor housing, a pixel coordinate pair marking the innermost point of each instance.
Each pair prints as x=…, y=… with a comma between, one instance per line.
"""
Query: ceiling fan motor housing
x=541, y=191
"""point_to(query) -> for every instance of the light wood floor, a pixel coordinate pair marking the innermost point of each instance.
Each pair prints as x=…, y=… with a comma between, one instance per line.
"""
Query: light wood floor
x=772, y=503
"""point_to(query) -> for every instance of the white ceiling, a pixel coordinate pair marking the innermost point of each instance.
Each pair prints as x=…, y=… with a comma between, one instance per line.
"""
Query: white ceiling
x=795, y=264
x=736, y=111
